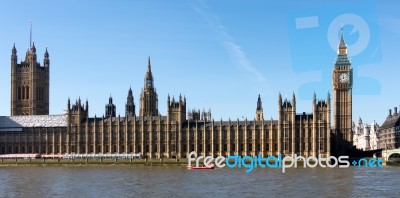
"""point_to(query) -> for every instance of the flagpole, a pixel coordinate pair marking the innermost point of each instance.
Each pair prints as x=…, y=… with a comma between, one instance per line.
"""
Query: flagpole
x=30, y=36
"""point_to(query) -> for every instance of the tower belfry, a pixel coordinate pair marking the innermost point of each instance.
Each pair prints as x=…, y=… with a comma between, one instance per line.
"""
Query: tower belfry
x=30, y=82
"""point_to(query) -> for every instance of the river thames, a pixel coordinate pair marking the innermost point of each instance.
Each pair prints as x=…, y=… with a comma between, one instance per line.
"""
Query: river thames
x=176, y=181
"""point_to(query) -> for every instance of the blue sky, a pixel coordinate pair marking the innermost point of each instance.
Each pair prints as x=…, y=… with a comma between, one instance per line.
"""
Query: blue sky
x=219, y=54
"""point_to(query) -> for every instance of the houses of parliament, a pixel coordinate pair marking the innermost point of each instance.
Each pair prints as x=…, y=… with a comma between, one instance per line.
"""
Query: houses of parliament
x=30, y=128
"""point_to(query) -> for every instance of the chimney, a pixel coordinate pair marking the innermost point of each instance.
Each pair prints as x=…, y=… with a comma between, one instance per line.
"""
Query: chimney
x=390, y=112
x=395, y=110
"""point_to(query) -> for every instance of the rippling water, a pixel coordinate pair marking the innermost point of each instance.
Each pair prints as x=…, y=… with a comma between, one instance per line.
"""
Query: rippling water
x=176, y=181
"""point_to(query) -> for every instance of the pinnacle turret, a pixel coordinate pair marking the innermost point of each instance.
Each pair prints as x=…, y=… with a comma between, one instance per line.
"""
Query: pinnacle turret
x=130, y=104
x=259, y=103
x=33, y=48
x=110, y=108
x=46, y=53
x=14, y=50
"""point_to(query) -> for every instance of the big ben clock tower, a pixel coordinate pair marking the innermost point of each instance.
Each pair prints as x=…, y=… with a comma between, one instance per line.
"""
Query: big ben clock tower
x=342, y=81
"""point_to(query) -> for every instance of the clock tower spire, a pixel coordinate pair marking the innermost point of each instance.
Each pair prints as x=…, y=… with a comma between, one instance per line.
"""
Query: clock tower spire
x=342, y=82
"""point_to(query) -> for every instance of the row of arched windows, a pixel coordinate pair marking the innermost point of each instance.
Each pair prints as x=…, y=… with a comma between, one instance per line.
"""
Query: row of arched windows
x=23, y=93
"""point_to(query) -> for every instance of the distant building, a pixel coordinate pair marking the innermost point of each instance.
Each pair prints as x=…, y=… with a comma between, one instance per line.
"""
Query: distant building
x=366, y=137
x=390, y=131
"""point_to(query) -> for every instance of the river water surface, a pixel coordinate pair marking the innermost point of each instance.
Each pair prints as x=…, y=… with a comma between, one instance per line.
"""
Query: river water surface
x=176, y=181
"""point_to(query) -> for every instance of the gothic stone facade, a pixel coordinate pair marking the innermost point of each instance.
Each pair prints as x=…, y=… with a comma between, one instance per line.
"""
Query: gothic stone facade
x=175, y=135
x=32, y=133
x=172, y=135
x=29, y=84
x=389, y=134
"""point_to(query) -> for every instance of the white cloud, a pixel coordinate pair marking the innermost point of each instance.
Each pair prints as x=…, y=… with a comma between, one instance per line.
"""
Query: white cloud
x=243, y=61
x=234, y=48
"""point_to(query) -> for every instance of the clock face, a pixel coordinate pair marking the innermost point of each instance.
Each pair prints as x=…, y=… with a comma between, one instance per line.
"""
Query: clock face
x=343, y=78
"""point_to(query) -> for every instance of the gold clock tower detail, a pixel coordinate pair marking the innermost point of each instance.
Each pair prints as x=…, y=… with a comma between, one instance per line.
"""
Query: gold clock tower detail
x=342, y=81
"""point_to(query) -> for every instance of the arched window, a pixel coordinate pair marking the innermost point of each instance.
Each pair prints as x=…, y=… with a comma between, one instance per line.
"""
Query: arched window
x=27, y=90
x=37, y=93
x=19, y=92
x=23, y=92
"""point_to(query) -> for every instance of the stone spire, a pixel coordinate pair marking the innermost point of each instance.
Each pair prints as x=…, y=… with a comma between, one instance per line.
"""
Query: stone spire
x=46, y=60
x=148, y=65
x=149, y=81
x=14, y=56
x=14, y=50
x=259, y=111
x=46, y=53
x=259, y=103
x=130, y=104
x=342, y=47
x=148, y=97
